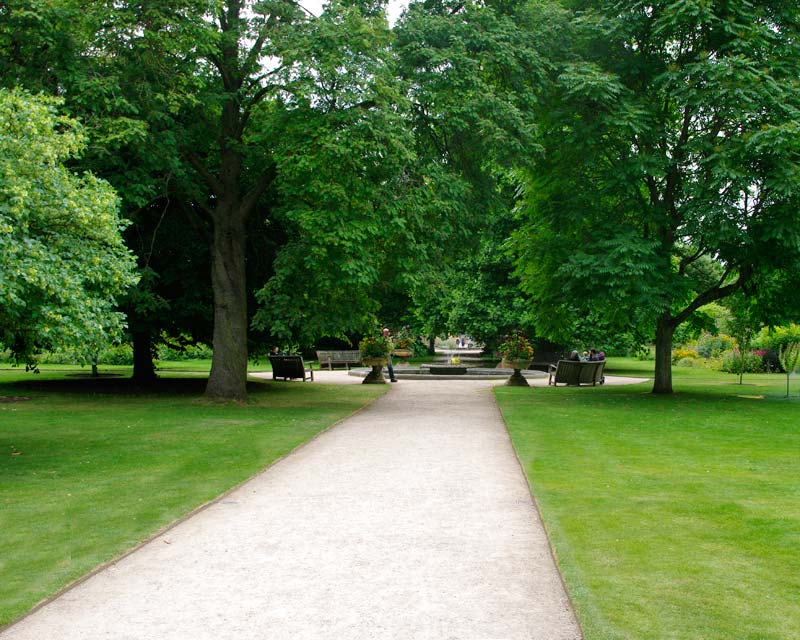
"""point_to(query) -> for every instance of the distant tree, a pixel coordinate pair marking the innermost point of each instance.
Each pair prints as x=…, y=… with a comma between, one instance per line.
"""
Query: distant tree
x=473, y=74
x=790, y=360
x=62, y=258
x=669, y=174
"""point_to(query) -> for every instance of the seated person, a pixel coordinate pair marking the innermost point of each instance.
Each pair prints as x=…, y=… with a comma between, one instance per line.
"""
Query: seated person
x=574, y=356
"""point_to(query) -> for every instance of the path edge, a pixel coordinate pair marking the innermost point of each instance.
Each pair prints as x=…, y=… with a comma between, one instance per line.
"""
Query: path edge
x=171, y=525
x=538, y=511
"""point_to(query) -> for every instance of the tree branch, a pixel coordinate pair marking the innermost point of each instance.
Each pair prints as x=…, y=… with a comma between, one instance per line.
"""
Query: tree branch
x=715, y=293
x=258, y=189
x=210, y=179
x=251, y=103
x=687, y=260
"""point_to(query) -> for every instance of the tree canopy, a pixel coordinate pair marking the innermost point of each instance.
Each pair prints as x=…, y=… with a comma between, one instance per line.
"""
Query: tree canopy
x=318, y=173
x=63, y=258
x=669, y=177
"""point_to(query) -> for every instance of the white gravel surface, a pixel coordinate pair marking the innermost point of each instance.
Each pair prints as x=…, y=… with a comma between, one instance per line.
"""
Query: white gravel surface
x=411, y=519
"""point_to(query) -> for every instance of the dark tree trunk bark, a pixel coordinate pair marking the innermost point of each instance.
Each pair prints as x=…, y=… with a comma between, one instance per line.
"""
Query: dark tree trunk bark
x=431, y=345
x=228, y=378
x=143, y=370
x=663, y=372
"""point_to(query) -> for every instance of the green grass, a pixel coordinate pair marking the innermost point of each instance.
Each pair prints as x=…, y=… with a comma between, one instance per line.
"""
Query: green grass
x=672, y=517
x=89, y=469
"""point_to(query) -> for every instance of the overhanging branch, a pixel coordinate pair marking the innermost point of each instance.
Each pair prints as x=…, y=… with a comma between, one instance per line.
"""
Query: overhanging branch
x=714, y=293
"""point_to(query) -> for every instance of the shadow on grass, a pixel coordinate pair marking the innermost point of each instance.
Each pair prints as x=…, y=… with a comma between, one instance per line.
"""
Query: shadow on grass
x=116, y=385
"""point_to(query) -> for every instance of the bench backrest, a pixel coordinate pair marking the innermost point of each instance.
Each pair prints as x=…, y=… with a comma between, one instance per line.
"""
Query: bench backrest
x=574, y=372
x=288, y=366
x=325, y=357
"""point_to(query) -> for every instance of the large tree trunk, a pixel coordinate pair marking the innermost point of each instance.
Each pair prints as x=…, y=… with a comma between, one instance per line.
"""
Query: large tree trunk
x=663, y=373
x=228, y=378
x=143, y=370
x=431, y=345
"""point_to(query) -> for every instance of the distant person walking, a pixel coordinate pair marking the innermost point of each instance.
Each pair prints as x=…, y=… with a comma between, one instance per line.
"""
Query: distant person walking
x=387, y=335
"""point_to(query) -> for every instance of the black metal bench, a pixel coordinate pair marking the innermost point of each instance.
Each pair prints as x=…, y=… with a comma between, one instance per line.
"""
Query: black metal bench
x=332, y=358
x=290, y=368
x=575, y=373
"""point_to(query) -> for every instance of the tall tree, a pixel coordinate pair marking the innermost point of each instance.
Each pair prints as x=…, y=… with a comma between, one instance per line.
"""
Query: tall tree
x=670, y=170
x=62, y=258
x=348, y=197
x=473, y=74
x=243, y=49
x=124, y=70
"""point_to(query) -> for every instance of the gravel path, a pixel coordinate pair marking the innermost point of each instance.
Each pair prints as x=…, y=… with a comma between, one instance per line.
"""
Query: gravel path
x=411, y=519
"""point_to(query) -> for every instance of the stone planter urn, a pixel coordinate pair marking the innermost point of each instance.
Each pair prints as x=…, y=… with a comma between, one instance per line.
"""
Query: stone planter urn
x=517, y=379
x=376, y=375
x=403, y=354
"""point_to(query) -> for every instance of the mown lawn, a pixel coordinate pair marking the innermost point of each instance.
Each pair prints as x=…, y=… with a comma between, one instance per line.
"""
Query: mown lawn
x=671, y=517
x=89, y=469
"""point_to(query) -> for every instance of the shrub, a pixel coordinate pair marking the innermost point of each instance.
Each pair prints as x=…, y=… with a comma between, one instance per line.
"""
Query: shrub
x=680, y=353
x=180, y=352
x=770, y=360
x=748, y=362
x=118, y=354
x=711, y=346
x=777, y=338
x=687, y=361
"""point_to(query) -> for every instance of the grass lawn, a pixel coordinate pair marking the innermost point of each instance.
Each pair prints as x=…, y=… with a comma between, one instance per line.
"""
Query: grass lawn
x=89, y=469
x=671, y=517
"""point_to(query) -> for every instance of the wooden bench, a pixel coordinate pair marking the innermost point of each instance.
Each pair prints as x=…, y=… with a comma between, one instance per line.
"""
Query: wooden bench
x=572, y=372
x=290, y=368
x=332, y=358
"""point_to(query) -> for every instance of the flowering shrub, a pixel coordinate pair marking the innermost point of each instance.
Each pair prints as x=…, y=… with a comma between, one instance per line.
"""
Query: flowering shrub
x=404, y=340
x=736, y=362
x=516, y=347
x=712, y=364
x=680, y=354
x=375, y=347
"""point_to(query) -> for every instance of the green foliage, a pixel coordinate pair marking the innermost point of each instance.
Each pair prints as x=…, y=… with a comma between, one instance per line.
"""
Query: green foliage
x=347, y=194
x=669, y=175
x=472, y=72
x=711, y=346
x=740, y=362
x=63, y=258
x=404, y=339
x=777, y=338
x=180, y=352
x=789, y=357
x=710, y=364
